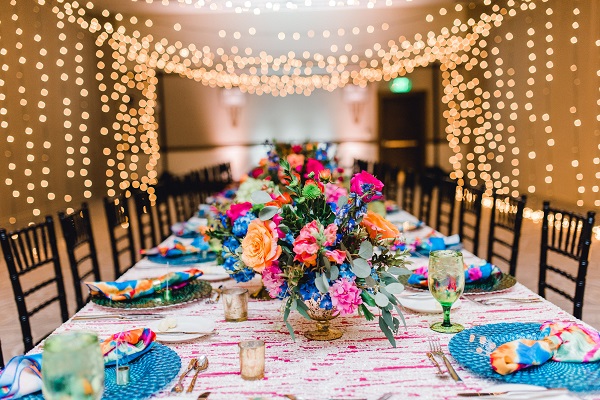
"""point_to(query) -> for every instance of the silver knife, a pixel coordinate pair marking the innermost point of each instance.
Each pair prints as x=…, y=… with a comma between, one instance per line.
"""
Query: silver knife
x=203, y=396
x=531, y=392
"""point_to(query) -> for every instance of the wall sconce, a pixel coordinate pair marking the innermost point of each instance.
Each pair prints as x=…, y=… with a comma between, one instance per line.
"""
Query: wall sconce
x=356, y=97
x=234, y=100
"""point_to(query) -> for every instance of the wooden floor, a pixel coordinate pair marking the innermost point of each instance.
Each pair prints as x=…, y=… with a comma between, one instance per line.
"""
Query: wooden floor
x=46, y=321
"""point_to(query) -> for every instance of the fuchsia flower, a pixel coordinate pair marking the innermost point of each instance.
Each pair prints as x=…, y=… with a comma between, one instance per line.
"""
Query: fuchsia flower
x=315, y=166
x=238, y=210
x=333, y=192
x=273, y=279
x=313, y=236
x=256, y=172
x=345, y=296
x=297, y=149
x=363, y=182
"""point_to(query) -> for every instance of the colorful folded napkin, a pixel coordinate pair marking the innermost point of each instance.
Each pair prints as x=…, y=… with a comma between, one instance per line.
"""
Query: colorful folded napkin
x=564, y=341
x=430, y=243
x=21, y=376
x=128, y=345
x=473, y=274
x=127, y=290
x=178, y=248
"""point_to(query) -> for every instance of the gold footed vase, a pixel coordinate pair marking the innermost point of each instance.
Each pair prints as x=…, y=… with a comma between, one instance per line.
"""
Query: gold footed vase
x=323, y=330
x=262, y=294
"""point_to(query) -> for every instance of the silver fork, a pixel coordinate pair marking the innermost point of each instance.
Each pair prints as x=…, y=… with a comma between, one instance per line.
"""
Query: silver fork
x=386, y=396
x=496, y=300
x=436, y=349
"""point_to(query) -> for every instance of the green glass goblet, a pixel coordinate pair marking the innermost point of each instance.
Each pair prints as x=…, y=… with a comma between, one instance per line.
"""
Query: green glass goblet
x=72, y=367
x=446, y=283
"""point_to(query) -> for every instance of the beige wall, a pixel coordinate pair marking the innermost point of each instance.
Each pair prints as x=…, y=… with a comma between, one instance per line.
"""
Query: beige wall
x=67, y=140
x=555, y=98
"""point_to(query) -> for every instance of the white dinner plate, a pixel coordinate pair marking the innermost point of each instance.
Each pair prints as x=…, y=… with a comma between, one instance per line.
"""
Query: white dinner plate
x=423, y=302
x=524, y=392
x=184, y=324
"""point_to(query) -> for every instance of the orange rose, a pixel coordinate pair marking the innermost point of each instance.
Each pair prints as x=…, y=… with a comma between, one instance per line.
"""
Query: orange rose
x=377, y=225
x=260, y=246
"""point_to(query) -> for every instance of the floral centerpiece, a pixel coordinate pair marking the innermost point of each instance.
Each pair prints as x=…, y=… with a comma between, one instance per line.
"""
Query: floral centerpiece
x=303, y=158
x=324, y=258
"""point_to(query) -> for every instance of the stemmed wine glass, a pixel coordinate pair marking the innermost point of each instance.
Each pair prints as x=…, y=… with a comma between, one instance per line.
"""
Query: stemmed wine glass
x=446, y=283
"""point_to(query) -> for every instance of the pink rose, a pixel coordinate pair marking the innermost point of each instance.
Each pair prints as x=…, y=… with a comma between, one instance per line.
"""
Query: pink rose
x=337, y=256
x=315, y=166
x=364, y=182
x=238, y=210
x=297, y=149
x=345, y=296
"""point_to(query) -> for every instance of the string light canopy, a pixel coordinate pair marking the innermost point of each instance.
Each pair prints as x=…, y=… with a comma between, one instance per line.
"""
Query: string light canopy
x=133, y=49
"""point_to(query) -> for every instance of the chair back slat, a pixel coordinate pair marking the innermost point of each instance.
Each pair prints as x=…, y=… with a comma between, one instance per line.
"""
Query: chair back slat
x=119, y=220
x=23, y=254
x=470, y=207
x=568, y=234
x=446, y=206
x=506, y=217
x=427, y=185
x=77, y=231
x=146, y=224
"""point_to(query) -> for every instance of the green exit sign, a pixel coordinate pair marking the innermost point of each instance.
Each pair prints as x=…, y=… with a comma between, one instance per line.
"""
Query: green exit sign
x=401, y=85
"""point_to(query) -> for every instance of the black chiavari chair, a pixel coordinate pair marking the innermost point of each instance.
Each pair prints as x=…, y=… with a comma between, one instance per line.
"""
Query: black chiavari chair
x=25, y=251
x=505, y=230
x=470, y=207
x=570, y=235
x=427, y=185
x=446, y=206
x=163, y=211
x=146, y=220
x=120, y=232
x=79, y=240
x=409, y=185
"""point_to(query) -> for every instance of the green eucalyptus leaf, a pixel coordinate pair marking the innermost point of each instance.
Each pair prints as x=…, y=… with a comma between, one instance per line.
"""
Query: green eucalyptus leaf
x=319, y=283
x=334, y=272
x=367, y=298
x=267, y=213
x=284, y=228
x=381, y=300
x=260, y=197
x=399, y=311
x=361, y=268
x=399, y=271
x=366, y=312
x=342, y=201
x=302, y=309
x=366, y=250
x=325, y=282
x=291, y=330
x=389, y=320
x=395, y=288
x=370, y=282
x=387, y=332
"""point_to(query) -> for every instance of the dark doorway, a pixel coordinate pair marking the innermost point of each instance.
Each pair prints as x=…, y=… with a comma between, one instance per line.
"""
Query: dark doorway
x=402, y=129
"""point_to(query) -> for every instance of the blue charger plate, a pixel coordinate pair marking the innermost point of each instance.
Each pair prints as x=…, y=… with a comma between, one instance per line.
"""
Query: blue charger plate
x=186, y=259
x=148, y=374
x=471, y=348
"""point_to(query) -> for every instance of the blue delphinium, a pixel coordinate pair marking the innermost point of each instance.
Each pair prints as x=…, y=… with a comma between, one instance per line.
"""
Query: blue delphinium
x=244, y=275
x=240, y=226
x=224, y=220
x=346, y=272
x=307, y=287
x=231, y=244
x=283, y=291
x=229, y=262
x=289, y=238
x=326, y=302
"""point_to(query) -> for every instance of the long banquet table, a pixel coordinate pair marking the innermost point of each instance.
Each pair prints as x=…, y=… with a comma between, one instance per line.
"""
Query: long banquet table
x=360, y=365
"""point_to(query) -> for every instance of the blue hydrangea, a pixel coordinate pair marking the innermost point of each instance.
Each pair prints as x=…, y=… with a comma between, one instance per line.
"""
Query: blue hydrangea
x=224, y=220
x=240, y=226
x=229, y=263
x=307, y=287
x=346, y=272
x=244, y=275
x=326, y=302
x=289, y=238
x=231, y=244
x=230, y=194
x=321, y=155
x=283, y=293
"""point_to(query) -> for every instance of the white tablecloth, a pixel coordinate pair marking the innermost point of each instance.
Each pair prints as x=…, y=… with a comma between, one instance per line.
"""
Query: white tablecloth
x=360, y=365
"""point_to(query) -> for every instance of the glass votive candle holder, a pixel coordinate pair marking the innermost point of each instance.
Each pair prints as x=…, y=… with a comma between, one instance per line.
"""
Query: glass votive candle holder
x=235, y=304
x=252, y=359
